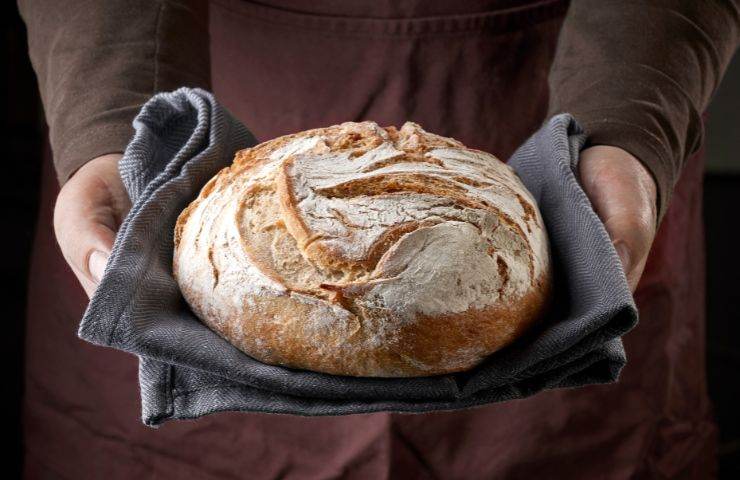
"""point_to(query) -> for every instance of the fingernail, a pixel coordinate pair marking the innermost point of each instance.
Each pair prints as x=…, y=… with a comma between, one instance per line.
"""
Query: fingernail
x=96, y=264
x=624, y=255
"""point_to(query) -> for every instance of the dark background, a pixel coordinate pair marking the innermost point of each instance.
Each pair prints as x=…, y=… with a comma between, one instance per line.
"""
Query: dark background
x=22, y=135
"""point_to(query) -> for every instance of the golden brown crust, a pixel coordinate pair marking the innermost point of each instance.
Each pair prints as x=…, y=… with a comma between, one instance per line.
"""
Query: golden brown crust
x=365, y=251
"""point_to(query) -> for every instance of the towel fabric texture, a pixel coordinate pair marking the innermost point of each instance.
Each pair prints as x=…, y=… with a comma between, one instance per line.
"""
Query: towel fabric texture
x=186, y=370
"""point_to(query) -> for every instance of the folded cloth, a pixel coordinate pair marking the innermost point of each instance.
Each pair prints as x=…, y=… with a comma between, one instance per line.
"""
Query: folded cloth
x=183, y=138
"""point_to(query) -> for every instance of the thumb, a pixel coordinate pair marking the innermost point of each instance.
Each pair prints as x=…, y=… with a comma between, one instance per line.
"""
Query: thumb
x=632, y=238
x=96, y=262
x=623, y=194
x=85, y=241
x=87, y=214
x=625, y=254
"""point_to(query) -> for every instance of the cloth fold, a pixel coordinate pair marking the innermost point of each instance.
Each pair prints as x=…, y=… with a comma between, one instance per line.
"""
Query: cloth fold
x=184, y=137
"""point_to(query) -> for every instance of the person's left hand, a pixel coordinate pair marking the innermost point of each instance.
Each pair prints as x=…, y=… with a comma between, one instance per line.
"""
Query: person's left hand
x=623, y=194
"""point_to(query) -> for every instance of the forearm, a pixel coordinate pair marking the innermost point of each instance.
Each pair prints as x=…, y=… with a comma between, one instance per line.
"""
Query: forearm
x=98, y=62
x=638, y=75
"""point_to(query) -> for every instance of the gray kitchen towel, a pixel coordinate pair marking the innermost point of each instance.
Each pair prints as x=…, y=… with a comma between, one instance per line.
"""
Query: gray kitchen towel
x=183, y=138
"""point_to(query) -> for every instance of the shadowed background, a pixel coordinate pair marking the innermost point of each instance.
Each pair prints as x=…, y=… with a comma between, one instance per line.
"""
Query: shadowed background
x=22, y=138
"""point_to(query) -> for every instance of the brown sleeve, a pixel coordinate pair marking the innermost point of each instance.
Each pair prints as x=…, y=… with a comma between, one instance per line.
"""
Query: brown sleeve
x=98, y=61
x=639, y=74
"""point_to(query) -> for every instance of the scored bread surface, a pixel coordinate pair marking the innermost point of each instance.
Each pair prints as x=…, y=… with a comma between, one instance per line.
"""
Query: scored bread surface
x=365, y=251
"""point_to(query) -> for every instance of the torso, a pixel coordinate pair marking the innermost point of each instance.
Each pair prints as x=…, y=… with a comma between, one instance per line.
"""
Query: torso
x=476, y=71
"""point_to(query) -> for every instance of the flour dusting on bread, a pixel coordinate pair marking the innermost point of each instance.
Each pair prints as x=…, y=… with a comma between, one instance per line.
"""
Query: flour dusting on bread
x=367, y=251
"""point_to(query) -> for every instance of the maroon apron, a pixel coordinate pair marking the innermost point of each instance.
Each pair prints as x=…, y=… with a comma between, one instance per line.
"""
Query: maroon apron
x=476, y=71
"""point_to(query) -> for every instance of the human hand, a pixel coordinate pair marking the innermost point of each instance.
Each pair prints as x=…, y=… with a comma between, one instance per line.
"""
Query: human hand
x=89, y=209
x=623, y=194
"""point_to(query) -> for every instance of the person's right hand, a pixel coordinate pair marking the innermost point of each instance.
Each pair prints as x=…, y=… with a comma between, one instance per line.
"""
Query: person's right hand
x=89, y=209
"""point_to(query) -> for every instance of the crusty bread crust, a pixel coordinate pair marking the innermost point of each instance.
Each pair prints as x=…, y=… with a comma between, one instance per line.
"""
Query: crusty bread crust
x=365, y=251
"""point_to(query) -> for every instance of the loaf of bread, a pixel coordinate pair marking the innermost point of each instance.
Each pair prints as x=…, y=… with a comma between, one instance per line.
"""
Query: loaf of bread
x=365, y=251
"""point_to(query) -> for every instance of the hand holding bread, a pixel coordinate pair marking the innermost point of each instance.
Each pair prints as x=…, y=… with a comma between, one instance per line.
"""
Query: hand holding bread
x=623, y=194
x=88, y=211
x=362, y=250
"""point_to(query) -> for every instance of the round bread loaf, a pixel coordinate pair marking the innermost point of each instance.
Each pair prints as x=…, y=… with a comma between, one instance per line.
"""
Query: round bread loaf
x=365, y=251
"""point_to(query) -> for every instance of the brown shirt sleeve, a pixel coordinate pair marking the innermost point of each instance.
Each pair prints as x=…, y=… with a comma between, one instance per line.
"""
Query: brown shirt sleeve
x=98, y=61
x=639, y=74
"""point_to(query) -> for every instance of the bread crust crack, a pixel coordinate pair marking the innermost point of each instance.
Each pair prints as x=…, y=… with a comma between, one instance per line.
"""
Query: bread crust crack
x=364, y=250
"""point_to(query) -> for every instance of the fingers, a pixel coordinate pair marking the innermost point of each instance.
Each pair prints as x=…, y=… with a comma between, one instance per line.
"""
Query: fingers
x=623, y=194
x=89, y=209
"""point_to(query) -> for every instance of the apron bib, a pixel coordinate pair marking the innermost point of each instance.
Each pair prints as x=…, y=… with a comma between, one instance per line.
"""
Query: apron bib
x=476, y=72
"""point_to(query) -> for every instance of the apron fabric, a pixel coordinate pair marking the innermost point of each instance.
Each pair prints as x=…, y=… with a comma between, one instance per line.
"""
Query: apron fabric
x=459, y=70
